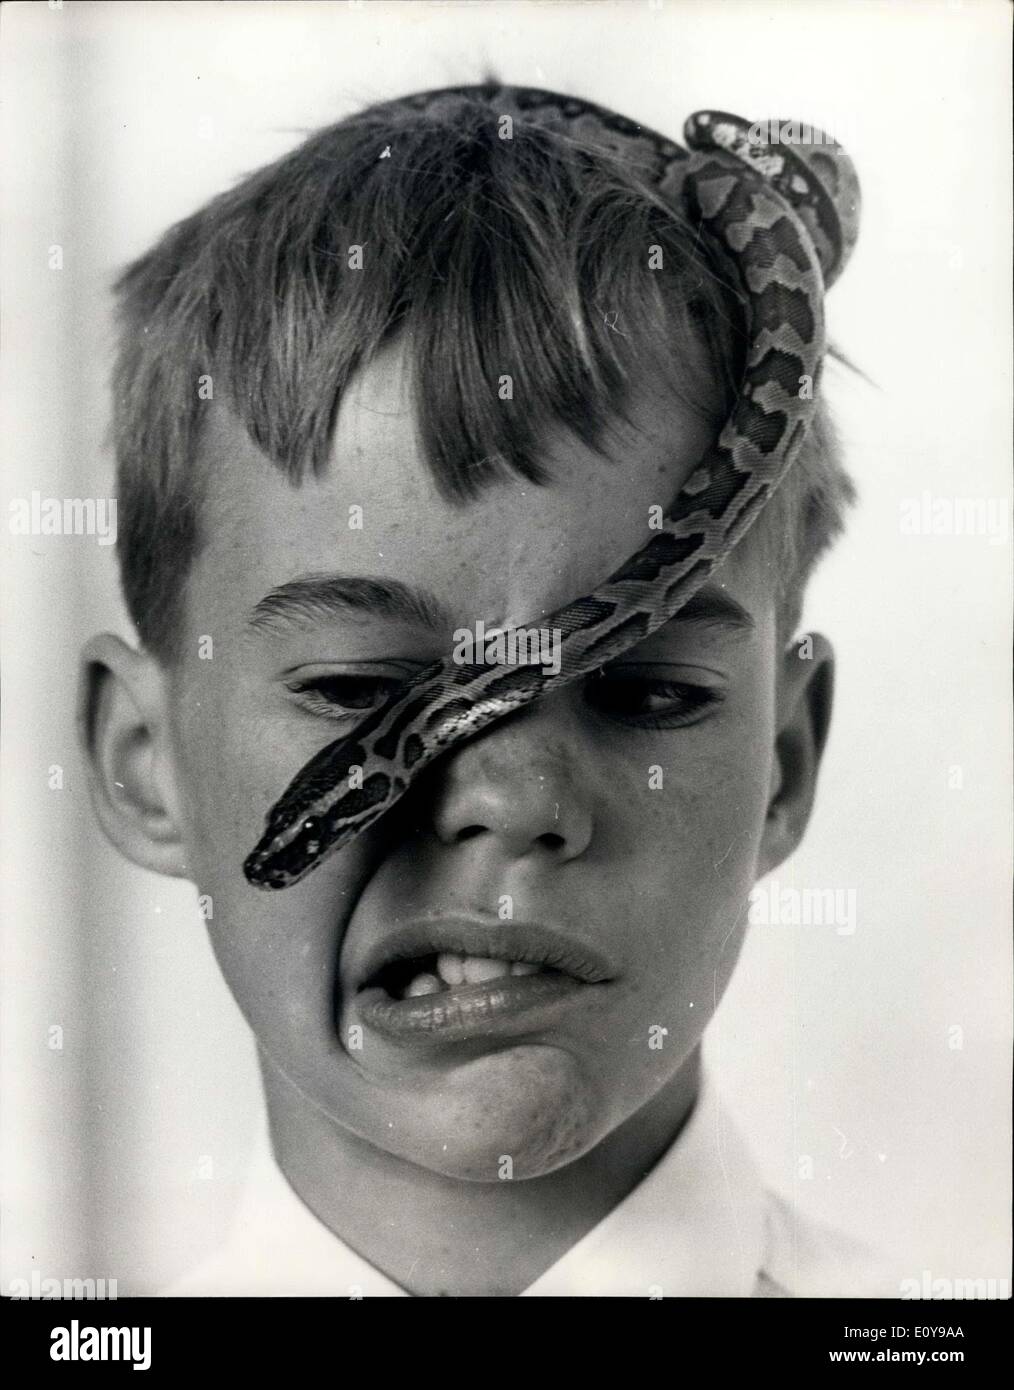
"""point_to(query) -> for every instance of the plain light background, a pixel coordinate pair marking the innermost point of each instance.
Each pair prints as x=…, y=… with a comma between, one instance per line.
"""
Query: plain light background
x=882, y=1057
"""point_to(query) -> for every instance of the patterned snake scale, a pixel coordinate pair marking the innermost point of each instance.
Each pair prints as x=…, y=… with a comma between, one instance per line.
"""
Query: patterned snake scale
x=784, y=216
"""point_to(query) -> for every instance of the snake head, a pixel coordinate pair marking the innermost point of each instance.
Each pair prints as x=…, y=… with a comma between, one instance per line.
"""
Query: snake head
x=806, y=166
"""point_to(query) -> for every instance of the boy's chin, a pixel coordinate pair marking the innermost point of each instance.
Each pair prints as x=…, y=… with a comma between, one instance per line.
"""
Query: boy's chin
x=518, y=1113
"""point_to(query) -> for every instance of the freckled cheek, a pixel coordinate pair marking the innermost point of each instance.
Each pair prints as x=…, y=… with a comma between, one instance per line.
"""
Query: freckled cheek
x=235, y=765
x=224, y=793
x=689, y=844
x=237, y=759
x=689, y=796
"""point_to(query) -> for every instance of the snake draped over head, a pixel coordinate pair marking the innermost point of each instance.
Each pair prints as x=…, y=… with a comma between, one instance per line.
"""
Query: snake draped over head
x=784, y=217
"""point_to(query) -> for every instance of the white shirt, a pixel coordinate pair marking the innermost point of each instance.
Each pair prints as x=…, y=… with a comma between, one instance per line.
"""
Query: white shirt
x=699, y=1224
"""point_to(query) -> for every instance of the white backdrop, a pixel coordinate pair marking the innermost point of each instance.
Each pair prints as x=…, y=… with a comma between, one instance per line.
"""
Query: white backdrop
x=881, y=1056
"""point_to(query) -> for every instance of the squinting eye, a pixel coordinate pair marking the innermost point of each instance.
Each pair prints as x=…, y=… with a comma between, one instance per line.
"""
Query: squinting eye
x=339, y=697
x=647, y=701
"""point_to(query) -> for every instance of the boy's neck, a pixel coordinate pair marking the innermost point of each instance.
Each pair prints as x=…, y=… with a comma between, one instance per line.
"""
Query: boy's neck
x=442, y=1235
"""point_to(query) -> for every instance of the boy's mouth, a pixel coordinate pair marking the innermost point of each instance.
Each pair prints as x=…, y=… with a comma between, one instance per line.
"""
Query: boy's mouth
x=454, y=979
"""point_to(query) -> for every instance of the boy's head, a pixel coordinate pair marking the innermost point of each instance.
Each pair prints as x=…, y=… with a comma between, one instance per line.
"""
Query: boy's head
x=420, y=373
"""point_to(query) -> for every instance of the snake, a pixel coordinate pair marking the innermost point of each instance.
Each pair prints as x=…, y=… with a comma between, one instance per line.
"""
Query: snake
x=783, y=216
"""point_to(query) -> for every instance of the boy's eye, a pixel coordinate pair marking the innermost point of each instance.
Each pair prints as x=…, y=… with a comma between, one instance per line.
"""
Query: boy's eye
x=644, y=698
x=344, y=696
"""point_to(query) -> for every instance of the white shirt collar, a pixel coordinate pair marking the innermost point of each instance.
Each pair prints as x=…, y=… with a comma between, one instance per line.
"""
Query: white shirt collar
x=694, y=1226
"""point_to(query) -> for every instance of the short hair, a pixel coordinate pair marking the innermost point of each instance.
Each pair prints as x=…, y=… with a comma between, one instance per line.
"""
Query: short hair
x=525, y=257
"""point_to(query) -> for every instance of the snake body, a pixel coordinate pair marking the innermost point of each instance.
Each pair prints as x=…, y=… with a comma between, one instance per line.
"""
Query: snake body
x=786, y=218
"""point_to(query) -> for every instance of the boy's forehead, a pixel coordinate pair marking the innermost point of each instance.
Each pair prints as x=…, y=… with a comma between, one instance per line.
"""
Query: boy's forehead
x=513, y=552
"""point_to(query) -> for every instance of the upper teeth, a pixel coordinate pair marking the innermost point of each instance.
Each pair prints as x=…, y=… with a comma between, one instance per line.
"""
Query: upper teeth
x=455, y=969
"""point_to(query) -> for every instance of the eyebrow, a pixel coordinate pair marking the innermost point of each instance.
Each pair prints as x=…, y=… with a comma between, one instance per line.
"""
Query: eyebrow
x=713, y=608
x=315, y=598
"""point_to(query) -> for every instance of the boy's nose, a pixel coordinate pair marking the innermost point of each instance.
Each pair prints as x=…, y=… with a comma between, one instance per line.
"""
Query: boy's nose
x=518, y=787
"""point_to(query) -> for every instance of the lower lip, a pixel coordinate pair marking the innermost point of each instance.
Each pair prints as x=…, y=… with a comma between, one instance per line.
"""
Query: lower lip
x=508, y=1004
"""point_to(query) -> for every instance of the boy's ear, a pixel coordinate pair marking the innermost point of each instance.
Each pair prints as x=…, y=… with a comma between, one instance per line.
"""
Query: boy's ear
x=803, y=716
x=123, y=731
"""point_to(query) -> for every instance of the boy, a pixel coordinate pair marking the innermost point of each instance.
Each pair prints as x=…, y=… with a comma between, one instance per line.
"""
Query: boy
x=411, y=379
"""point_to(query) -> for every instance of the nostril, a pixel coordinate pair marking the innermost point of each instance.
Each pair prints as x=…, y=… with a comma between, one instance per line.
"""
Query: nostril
x=550, y=840
x=468, y=832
